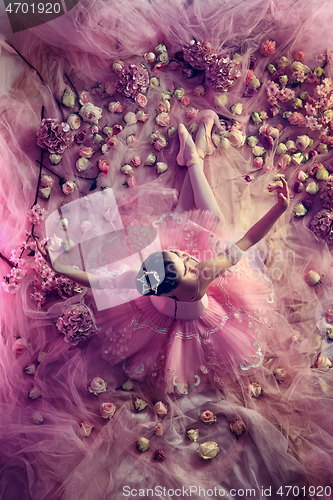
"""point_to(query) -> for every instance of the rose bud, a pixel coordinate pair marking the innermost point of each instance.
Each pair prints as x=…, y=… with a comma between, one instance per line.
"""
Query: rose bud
x=20, y=346
x=314, y=169
x=69, y=245
x=329, y=333
x=185, y=101
x=160, y=409
x=85, y=429
x=86, y=152
x=280, y=374
x=68, y=99
x=97, y=386
x=55, y=159
x=127, y=170
x=131, y=140
x=313, y=278
x=161, y=167
x=128, y=385
x=136, y=161
x=37, y=418
x=291, y=146
x=300, y=210
x=103, y=166
x=30, y=369
x=69, y=186
x=329, y=315
x=44, y=193
x=190, y=113
x=208, y=450
x=111, y=142
x=107, y=410
x=192, y=434
x=237, y=426
x=323, y=363
x=322, y=174
x=258, y=162
x=108, y=131
x=171, y=131
x=208, y=417
x=312, y=188
x=139, y=404
x=158, y=430
x=117, y=66
x=34, y=394
x=179, y=93
x=254, y=390
x=117, y=129
x=142, y=444
x=154, y=82
x=159, y=454
x=302, y=176
x=151, y=160
x=199, y=90
x=150, y=57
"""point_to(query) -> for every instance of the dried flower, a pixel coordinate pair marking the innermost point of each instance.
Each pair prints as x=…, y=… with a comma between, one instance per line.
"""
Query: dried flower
x=161, y=167
x=237, y=426
x=322, y=225
x=76, y=324
x=37, y=418
x=160, y=409
x=313, y=278
x=254, y=390
x=159, y=455
x=312, y=188
x=158, y=431
x=20, y=346
x=192, y=434
x=267, y=48
x=280, y=374
x=34, y=394
x=199, y=54
x=117, y=66
x=68, y=186
x=139, y=404
x=97, y=386
x=30, y=369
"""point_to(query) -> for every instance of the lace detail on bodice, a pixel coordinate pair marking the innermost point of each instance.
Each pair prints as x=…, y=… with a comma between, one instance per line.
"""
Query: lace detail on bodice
x=180, y=309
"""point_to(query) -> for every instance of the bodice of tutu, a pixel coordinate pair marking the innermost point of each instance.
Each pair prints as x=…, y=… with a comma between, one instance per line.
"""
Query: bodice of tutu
x=179, y=309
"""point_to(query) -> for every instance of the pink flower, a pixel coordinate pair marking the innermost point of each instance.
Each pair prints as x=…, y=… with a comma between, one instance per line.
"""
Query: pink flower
x=272, y=89
x=185, y=101
x=30, y=369
x=110, y=88
x=111, y=142
x=160, y=143
x=90, y=113
x=86, y=226
x=131, y=140
x=163, y=119
x=267, y=48
x=150, y=57
x=254, y=390
x=76, y=324
x=133, y=80
x=296, y=119
x=131, y=182
x=158, y=430
x=322, y=225
x=85, y=428
x=190, y=113
x=280, y=374
x=223, y=73
x=299, y=56
x=107, y=410
x=47, y=181
x=199, y=90
x=311, y=122
x=266, y=141
x=20, y=346
x=311, y=78
x=141, y=100
x=83, y=97
x=160, y=409
x=163, y=106
x=237, y=426
x=285, y=94
x=68, y=187
x=141, y=116
x=86, y=152
x=115, y=107
x=116, y=130
x=97, y=386
x=208, y=417
x=199, y=54
x=136, y=161
x=258, y=162
x=103, y=166
x=323, y=363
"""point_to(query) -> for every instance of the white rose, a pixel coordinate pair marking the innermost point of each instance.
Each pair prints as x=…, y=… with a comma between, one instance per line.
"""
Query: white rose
x=291, y=146
x=127, y=169
x=297, y=158
x=74, y=121
x=97, y=386
x=322, y=174
x=236, y=137
x=160, y=409
x=323, y=363
x=303, y=141
x=192, y=434
x=237, y=108
x=82, y=164
x=284, y=161
x=130, y=118
x=312, y=188
x=255, y=82
x=281, y=149
x=274, y=133
x=161, y=167
x=37, y=418
x=90, y=113
x=208, y=450
x=142, y=444
x=298, y=67
x=322, y=148
x=34, y=394
x=55, y=159
x=313, y=278
x=44, y=192
x=139, y=404
x=258, y=150
x=128, y=385
x=300, y=210
x=252, y=141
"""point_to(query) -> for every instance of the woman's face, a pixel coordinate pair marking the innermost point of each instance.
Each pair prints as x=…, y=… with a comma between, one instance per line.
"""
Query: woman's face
x=185, y=266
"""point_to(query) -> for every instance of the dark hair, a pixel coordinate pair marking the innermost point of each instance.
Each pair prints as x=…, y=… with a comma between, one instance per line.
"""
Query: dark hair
x=157, y=275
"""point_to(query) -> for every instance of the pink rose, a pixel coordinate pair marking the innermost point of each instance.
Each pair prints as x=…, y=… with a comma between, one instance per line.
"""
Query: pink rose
x=280, y=374
x=160, y=143
x=34, y=394
x=82, y=164
x=141, y=100
x=299, y=56
x=208, y=450
x=107, y=410
x=115, y=107
x=68, y=187
x=185, y=101
x=97, y=386
x=258, y=162
x=130, y=118
x=141, y=116
x=313, y=278
x=47, y=181
x=83, y=97
x=136, y=161
x=117, y=66
x=208, y=417
x=190, y=113
x=44, y=192
x=111, y=142
x=85, y=429
x=131, y=140
x=160, y=409
x=86, y=152
x=90, y=113
x=237, y=426
x=20, y=346
x=131, y=182
x=30, y=369
x=104, y=166
x=158, y=430
x=116, y=130
x=163, y=106
x=74, y=121
x=163, y=119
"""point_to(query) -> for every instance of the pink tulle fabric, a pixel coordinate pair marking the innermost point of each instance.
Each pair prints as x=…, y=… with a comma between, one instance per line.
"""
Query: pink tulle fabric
x=288, y=436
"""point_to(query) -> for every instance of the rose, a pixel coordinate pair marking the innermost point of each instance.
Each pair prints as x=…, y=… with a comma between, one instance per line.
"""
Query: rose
x=20, y=346
x=302, y=176
x=208, y=450
x=136, y=161
x=159, y=454
x=141, y=100
x=252, y=141
x=108, y=131
x=90, y=113
x=150, y=57
x=179, y=93
x=298, y=187
x=74, y=121
x=192, y=434
x=110, y=88
x=160, y=409
x=303, y=141
x=83, y=97
x=86, y=226
x=127, y=170
x=199, y=90
x=185, y=101
x=254, y=390
x=281, y=149
x=131, y=140
x=159, y=430
x=139, y=404
x=163, y=57
x=141, y=116
x=110, y=214
x=55, y=159
x=154, y=82
x=312, y=188
x=297, y=103
x=30, y=369
x=282, y=62
x=291, y=146
x=103, y=166
x=256, y=118
x=163, y=119
x=107, y=410
x=299, y=56
x=300, y=210
x=297, y=158
x=111, y=142
x=81, y=136
x=258, y=151
x=323, y=363
x=117, y=128
x=97, y=386
x=68, y=99
x=86, y=152
x=131, y=182
x=267, y=48
x=47, y=181
x=44, y=192
x=237, y=426
x=55, y=244
x=322, y=174
x=236, y=137
x=280, y=374
x=313, y=278
x=142, y=444
x=329, y=315
x=322, y=148
x=190, y=113
x=37, y=418
x=85, y=429
x=130, y=118
x=283, y=79
x=117, y=66
x=161, y=167
x=271, y=68
x=160, y=143
x=208, y=417
x=34, y=394
x=151, y=160
x=258, y=162
x=69, y=186
x=237, y=108
x=163, y=106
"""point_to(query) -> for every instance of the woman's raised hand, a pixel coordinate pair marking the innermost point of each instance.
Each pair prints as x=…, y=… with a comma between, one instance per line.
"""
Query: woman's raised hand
x=282, y=191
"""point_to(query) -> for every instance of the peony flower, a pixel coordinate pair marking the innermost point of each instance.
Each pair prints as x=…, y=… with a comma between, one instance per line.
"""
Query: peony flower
x=280, y=374
x=236, y=137
x=267, y=48
x=161, y=167
x=85, y=429
x=237, y=426
x=139, y=404
x=208, y=417
x=158, y=431
x=90, y=113
x=117, y=66
x=115, y=107
x=34, y=394
x=163, y=119
x=30, y=369
x=68, y=99
x=142, y=444
x=322, y=225
x=160, y=409
x=159, y=455
x=312, y=188
x=53, y=136
x=37, y=418
x=326, y=194
x=132, y=80
x=192, y=434
x=107, y=410
x=313, y=278
x=254, y=390
x=323, y=363
x=208, y=450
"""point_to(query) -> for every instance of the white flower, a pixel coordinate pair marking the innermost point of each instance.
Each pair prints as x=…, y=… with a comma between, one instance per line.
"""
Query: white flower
x=74, y=121
x=256, y=118
x=322, y=174
x=252, y=140
x=297, y=158
x=34, y=394
x=37, y=418
x=30, y=369
x=97, y=386
x=274, y=133
x=107, y=410
x=68, y=99
x=142, y=444
x=254, y=390
x=139, y=404
x=312, y=188
x=55, y=159
x=82, y=164
x=192, y=434
x=161, y=167
x=258, y=150
x=130, y=118
x=322, y=148
x=313, y=278
x=303, y=141
x=222, y=100
x=55, y=244
x=128, y=385
x=300, y=210
x=237, y=108
x=208, y=450
x=90, y=113
x=281, y=149
x=69, y=245
x=291, y=146
x=236, y=137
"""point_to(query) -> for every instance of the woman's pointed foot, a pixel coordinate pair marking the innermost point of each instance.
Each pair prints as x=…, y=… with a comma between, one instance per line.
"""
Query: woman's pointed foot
x=203, y=141
x=188, y=154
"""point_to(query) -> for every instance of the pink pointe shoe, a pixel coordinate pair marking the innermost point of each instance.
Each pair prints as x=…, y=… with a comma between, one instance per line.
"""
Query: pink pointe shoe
x=188, y=154
x=203, y=141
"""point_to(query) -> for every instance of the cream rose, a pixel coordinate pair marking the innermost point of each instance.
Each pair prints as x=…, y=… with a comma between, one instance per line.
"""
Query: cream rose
x=130, y=118
x=237, y=108
x=160, y=409
x=192, y=434
x=303, y=141
x=281, y=149
x=30, y=369
x=69, y=186
x=299, y=210
x=107, y=410
x=254, y=390
x=127, y=170
x=74, y=121
x=142, y=444
x=34, y=394
x=139, y=404
x=208, y=417
x=208, y=450
x=97, y=386
x=37, y=418
x=312, y=188
x=236, y=137
x=252, y=141
x=163, y=119
x=85, y=429
x=258, y=151
x=161, y=167
x=313, y=278
x=128, y=385
x=90, y=113
x=291, y=146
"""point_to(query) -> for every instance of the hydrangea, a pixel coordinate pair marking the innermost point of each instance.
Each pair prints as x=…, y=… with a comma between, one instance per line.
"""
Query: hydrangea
x=54, y=136
x=132, y=80
x=326, y=193
x=322, y=225
x=223, y=73
x=76, y=324
x=199, y=55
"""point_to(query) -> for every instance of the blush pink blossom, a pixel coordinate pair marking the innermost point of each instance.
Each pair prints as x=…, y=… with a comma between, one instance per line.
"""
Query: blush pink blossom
x=141, y=100
x=190, y=113
x=163, y=119
x=258, y=162
x=103, y=166
x=296, y=119
x=68, y=187
x=20, y=346
x=107, y=410
x=85, y=429
x=267, y=48
x=136, y=161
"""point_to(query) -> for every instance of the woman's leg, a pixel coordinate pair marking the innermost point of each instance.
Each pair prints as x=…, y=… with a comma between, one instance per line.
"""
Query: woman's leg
x=186, y=196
